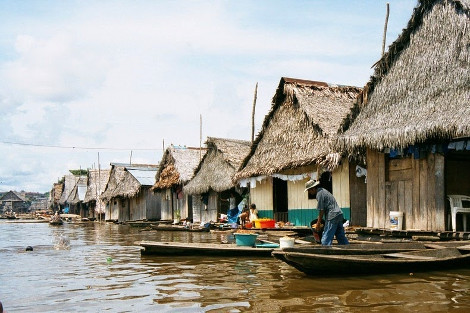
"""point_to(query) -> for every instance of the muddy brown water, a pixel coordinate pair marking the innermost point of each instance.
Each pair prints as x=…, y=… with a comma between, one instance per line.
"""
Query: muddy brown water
x=98, y=268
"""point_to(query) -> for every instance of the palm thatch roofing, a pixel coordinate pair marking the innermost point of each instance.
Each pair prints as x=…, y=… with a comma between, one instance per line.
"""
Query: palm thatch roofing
x=97, y=180
x=79, y=190
x=69, y=183
x=56, y=192
x=177, y=166
x=420, y=89
x=304, y=118
x=216, y=169
x=122, y=183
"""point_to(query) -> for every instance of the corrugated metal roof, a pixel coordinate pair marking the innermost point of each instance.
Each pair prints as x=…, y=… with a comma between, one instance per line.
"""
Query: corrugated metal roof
x=146, y=177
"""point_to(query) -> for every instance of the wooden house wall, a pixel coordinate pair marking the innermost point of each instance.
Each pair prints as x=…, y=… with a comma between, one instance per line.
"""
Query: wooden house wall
x=153, y=205
x=145, y=206
x=213, y=206
x=137, y=207
x=209, y=212
x=340, y=180
x=412, y=186
x=358, y=197
x=300, y=208
x=297, y=198
x=181, y=206
x=303, y=210
x=198, y=207
x=113, y=209
x=262, y=196
x=166, y=205
x=124, y=210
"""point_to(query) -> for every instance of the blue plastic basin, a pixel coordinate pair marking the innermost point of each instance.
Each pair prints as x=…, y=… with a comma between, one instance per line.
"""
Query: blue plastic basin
x=245, y=239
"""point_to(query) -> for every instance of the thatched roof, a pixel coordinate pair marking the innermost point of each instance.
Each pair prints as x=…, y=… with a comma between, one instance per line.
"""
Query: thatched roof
x=420, y=89
x=304, y=118
x=12, y=196
x=56, y=192
x=69, y=183
x=97, y=180
x=79, y=190
x=177, y=166
x=215, y=171
x=122, y=183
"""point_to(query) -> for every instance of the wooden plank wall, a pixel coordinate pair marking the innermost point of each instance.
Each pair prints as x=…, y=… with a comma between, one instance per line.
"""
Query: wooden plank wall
x=340, y=177
x=373, y=207
x=412, y=186
x=198, y=208
x=262, y=195
x=358, y=197
x=297, y=198
x=166, y=205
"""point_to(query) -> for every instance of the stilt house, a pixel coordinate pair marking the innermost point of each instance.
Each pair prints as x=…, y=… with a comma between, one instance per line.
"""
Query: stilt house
x=54, y=197
x=97, y=180
x=13, y=201
x=70, y=181
x=77, y=195
x=212, y=181
x=128, y=194
x=293, y=145
x=176, y=169
x=414, y=121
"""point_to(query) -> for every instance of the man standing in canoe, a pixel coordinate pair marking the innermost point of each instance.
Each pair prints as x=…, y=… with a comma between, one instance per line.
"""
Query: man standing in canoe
x=330, y=210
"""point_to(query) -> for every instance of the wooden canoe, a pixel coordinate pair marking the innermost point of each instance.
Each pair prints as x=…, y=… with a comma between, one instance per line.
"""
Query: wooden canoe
x=179, y=228
x=358, y=248
x=352, y=264
x=203, y=249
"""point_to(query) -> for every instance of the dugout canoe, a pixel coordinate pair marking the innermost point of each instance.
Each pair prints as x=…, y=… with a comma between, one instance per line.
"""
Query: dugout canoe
x=360, y=264
x=204, y=249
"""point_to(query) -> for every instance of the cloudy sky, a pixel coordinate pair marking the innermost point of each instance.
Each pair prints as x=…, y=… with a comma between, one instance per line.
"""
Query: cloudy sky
x=119, y=79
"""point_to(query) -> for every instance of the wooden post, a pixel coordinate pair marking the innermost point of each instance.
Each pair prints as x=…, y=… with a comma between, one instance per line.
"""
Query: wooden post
x=385, y=29
x=253, y=115
x=200, y=137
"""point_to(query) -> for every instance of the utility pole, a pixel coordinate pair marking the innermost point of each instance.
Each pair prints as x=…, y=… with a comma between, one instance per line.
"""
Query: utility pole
x=253, y=115
x=385, y=29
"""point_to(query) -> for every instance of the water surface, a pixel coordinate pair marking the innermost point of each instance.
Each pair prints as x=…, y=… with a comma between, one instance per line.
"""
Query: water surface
x=102, y=271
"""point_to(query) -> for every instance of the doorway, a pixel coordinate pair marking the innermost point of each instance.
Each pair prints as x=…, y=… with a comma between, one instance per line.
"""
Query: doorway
x=280, y=208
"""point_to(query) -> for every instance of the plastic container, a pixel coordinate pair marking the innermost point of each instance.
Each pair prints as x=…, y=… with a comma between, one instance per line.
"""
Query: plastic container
x=396, y=220
x=245, y=239
x=286, y=242
x=265, y=223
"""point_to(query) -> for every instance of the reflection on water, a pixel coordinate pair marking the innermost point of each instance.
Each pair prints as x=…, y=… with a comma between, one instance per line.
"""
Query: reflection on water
x=98, y=267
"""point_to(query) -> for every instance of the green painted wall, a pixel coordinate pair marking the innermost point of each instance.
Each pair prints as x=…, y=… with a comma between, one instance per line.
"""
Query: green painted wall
x=301, y=217
x=265, y=214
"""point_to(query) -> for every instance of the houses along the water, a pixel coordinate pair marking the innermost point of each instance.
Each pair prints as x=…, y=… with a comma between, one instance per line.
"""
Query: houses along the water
x=414, y=120
x=212, y=182
x=293, y=146
x=176, y=169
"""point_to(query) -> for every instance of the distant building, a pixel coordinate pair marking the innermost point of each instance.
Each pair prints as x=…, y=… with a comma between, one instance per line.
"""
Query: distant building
x=13, y=201
x=39, y=204
x=127, y=194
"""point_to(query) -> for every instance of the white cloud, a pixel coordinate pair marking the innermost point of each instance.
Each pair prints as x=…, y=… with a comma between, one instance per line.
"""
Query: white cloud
x=132, y=74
